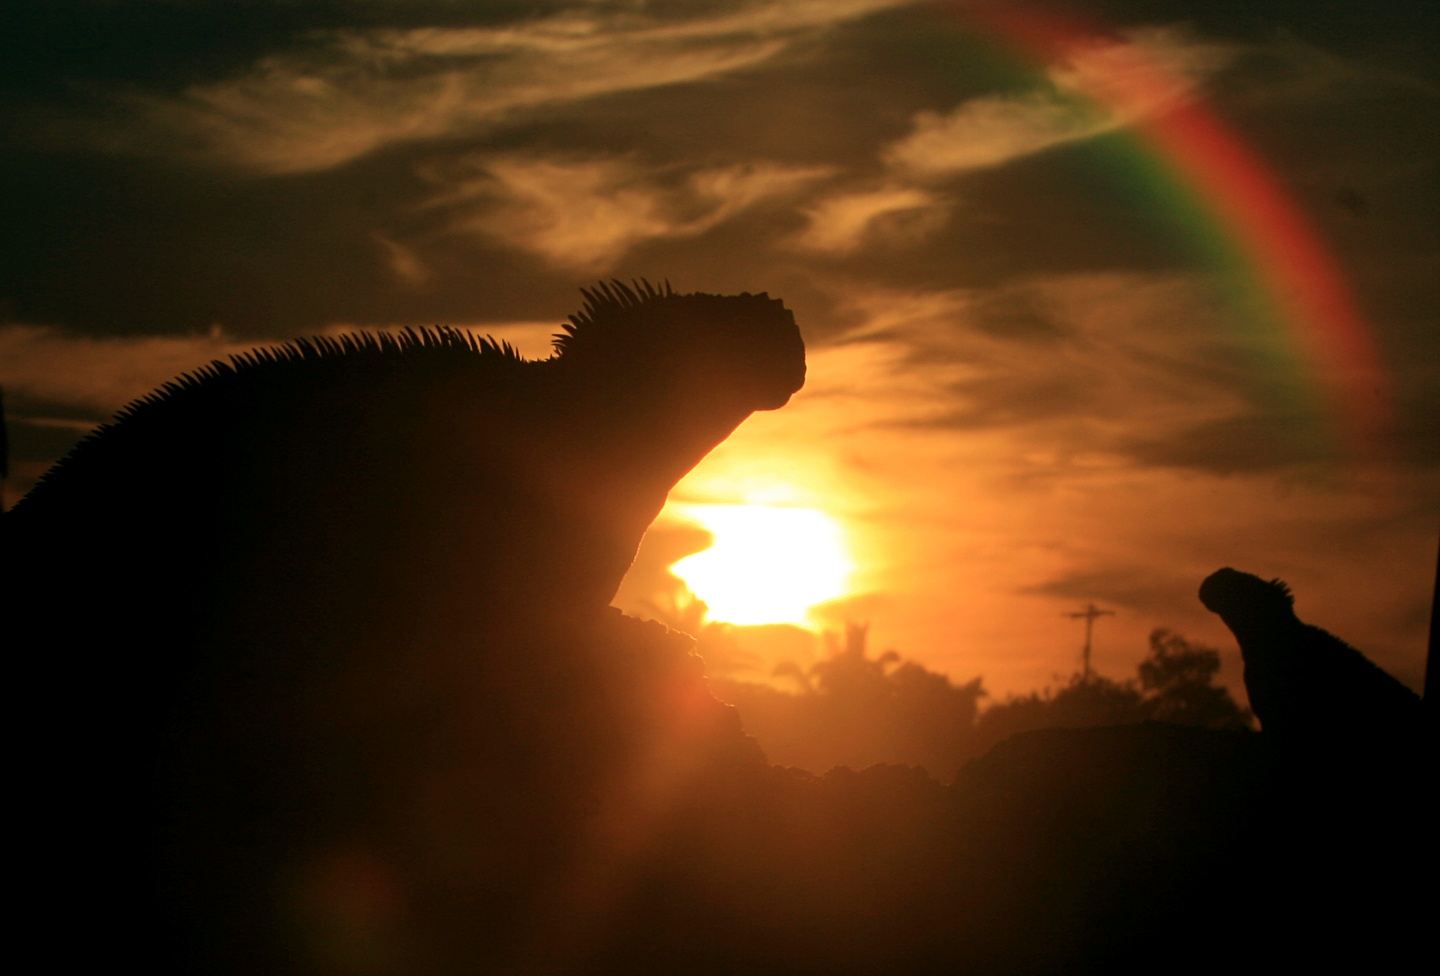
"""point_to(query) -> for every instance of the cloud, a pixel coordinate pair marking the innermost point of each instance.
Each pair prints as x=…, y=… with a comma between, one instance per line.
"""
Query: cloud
x=1064, y=347
x=990, y=131
x=402, y=261
x=59, y=386
x=840, y=224
x=1144, y=588
x=46, y=365
x=1081, y=375
x=343, y=94
x=585, y=213
x=1097, y=88
x=1248, y=442
x=1292, y=71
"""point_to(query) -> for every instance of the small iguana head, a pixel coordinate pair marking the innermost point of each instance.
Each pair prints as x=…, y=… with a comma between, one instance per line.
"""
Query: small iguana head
x=746, y=348
x=1238, y=596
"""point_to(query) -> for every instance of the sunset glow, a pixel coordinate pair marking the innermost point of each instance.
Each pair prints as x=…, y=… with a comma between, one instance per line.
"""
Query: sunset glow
x=1096, y=298
x=754, y=486
x=768, y=564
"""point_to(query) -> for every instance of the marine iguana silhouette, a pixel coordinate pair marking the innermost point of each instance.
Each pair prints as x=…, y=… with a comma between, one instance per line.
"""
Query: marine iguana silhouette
x=1301, y=680
x=355, y=472
x=265, y=590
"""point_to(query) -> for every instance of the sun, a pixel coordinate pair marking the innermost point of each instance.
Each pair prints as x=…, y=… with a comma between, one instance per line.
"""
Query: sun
x=769, y=564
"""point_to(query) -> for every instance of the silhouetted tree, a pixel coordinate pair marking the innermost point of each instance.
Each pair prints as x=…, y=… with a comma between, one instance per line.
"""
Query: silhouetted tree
x=857, y=710
x=793, y=671
x=1177, y=678
x=854, y=709
x=848, y=673
x=1176, y=684
x=1078, y=704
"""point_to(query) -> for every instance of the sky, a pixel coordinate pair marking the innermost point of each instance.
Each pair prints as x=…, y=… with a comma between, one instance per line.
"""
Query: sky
x=1098, y=297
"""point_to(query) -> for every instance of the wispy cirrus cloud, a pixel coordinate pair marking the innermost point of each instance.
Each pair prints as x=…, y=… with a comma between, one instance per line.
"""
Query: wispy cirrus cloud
x=841, y=223
x=347, y=93
x=58, y=386
x=585, y=213
x=1083, y=370
x=1097, y=88
x=99, y=375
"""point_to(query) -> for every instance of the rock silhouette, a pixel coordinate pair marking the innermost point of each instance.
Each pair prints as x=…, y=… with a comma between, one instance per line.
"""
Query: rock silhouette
x=1303, y=681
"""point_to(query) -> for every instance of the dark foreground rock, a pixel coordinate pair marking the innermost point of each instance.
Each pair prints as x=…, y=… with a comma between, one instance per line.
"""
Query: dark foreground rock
x=588, y=807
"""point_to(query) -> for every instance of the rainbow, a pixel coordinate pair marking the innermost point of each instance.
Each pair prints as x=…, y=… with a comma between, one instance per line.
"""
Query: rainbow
x=1278, y=269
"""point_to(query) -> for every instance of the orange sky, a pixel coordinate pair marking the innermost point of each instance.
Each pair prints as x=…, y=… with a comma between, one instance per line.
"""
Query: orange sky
x=1034, y=382
x=970, y=551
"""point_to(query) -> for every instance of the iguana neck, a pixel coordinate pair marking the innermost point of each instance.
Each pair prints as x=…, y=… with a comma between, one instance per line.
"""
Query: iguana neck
x=644, y=439
x=634, y=445
x=1267, y=630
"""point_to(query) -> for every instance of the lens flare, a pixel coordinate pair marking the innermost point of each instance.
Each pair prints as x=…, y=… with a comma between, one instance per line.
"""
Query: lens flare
x=769, y=564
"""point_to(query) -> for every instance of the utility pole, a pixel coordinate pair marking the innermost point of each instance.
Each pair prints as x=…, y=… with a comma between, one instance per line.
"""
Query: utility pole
x=1089, y=614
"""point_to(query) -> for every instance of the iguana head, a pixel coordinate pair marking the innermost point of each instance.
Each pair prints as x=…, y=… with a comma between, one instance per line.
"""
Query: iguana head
x=1240, y=596
x=742, y=347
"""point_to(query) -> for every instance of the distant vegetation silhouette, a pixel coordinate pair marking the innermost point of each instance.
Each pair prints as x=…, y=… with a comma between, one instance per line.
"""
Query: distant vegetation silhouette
x=851, y=709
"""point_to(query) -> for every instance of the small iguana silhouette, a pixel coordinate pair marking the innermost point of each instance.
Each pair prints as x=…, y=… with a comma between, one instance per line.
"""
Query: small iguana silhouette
x=259, y=598
x=1303, y=681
